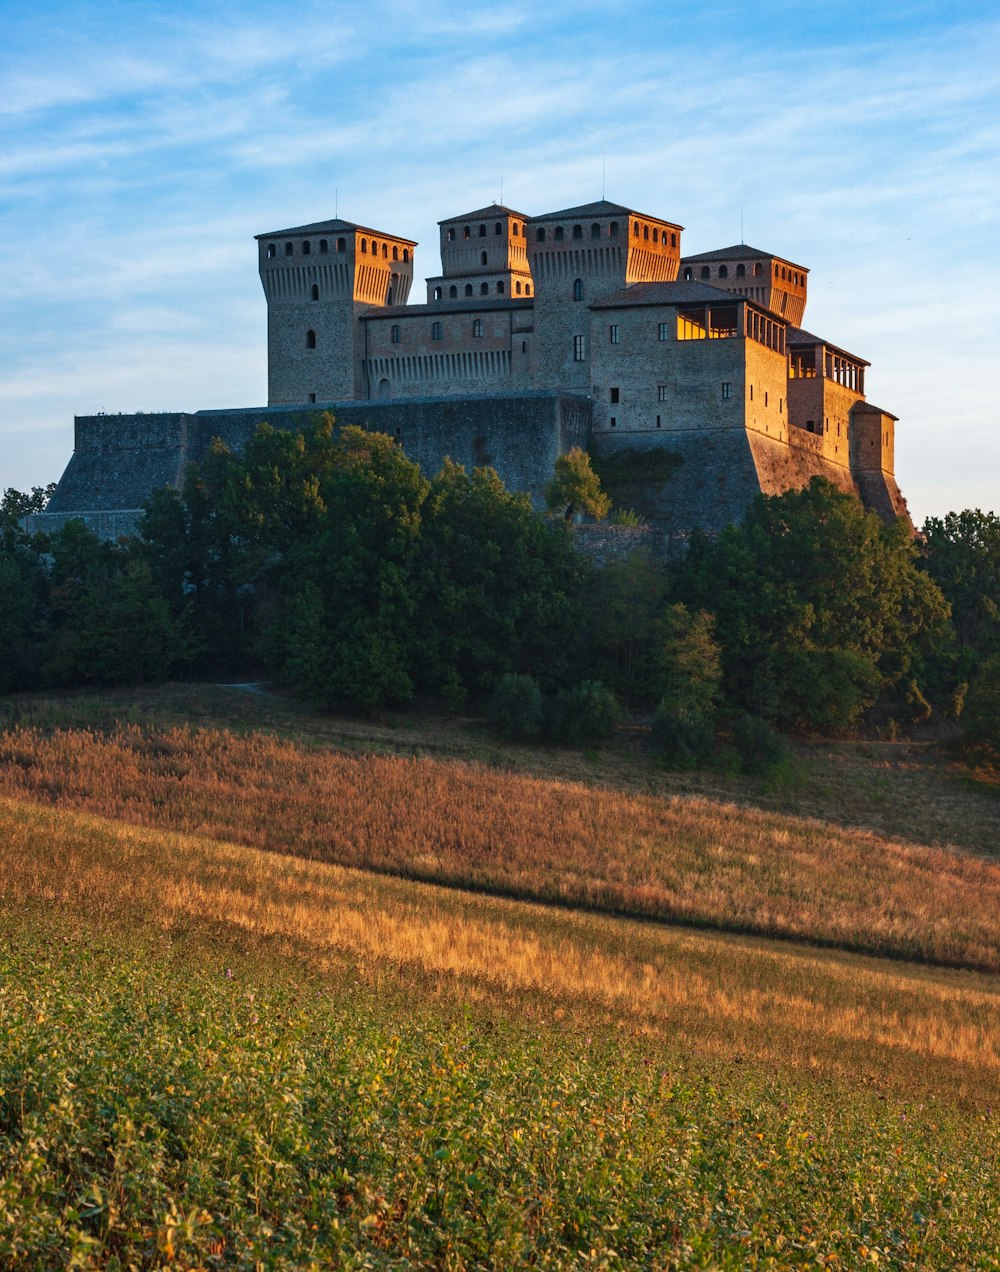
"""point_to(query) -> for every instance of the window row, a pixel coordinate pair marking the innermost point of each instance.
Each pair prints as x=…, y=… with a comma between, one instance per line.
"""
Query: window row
x=706, y=273
x=658, y=235
x=323, y=248
x=576, y=232
x=484, y=290
x=516, y=230
x=437, y=331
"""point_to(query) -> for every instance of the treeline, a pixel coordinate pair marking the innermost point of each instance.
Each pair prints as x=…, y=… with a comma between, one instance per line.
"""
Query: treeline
x=326, y=560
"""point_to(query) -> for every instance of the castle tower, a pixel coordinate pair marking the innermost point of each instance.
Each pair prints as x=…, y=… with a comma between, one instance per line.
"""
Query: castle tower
x=761, y=276
x=318, y=279
x=483, y=253
x=578, y=256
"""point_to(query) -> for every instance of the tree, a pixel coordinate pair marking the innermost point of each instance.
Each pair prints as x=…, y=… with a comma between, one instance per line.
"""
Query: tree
x=575, y=487
x=962, y=555
x=624, y=602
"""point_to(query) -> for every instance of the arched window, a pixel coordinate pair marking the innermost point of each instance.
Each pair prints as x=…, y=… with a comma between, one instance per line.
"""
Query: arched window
x=468, y=289
x=315, y=292
x=517, y=289
x=364, y=246
x=673, y=239
x=289, y=249
x=406, y=254
x=723, y=271
x=477, y=327
x=635, y=230
x=466, y=231
x=578, y=289
x=613, y=229
x=452, y=293
x=498, y=228
x=324, y=246
x=741, y=271
x=706, y=272
x=435, y=331
x=500, y=289
x=656, y=235
x=341, y=245
x=515, y=230
x=437, y=293
x=482, y=258
x=482, y=231
x=306, y=248
x=484, y=289
x=578, y=231
x=451, y=234
x=271, y=250
x=560, y=233
x=645, y=232
x=595, y=230
x=310, y=340
x=758, y=269
x=383, y=390
x=385, y=251
x=540, y=236
x=395, y=252
x=394, y=333
x=527, y=289
x=688, y=273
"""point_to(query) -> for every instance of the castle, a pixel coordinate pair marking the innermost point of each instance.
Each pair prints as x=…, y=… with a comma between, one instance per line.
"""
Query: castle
x=581, y=327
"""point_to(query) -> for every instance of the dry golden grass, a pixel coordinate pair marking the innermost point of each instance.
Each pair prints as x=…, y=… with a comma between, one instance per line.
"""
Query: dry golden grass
x=914, y=1029
x=692, y=860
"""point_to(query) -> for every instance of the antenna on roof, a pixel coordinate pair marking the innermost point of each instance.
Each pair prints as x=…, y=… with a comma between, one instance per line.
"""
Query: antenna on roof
x=501, y=189
x=336, y=204
x=604, y=174
x=742, y=240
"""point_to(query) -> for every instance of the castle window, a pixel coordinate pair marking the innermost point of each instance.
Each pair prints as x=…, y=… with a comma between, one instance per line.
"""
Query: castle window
x=385, y=251
x=741, y=271
x=341, y=245
x=364, y=246
x=394, y=333
x=673, y=240
x=406, y=254
x=614, y=395
x=635, y=230
x=765, y=400
x=437, y=293
x=306, y=248
x=271, y=251
x=452, y=293
x=395, y=252
x=466, y=232
x=722, y=323
x=613, y=229
x=484, y=289
x=524, y=346
x=324, y=246
x=451, y=235
x=663, y=331
x=578, y=349
x=595, y=230
x=690, y=325
x=706, y=272
x=498, y=228
x=657, y=421
x=468, y=289
x=578, y=231
x=517, y=288
x=613, y=333
x=540, y=236
x=435, y=331
x=500, y=289
x=289, y=249
x=515, y=230
x=477, y=327
x=758, y=269
x=527, y=289
x=315, y=292
x=578, y=289
x=312, y=397
x=645, y=233
x=613, y=421
x=560, y=233
x=483, y=258
x=482, y=231
x=661, y=393
x=751, y=392
x=688, y=273
x=723, y=271
x=310, y=340
x=811, y=427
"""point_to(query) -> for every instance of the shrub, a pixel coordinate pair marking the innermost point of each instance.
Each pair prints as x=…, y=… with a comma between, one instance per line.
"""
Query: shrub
x=684, y=740
x=516, y=709
x=586, y=713
x=760, y=747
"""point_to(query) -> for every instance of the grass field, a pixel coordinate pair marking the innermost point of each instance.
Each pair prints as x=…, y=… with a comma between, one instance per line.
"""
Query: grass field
x=223, y=1049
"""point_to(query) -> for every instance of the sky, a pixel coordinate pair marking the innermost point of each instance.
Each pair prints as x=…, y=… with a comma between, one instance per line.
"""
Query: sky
x=143, y=145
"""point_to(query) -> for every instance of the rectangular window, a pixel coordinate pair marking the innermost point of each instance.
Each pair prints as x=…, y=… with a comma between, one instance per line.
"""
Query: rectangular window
x=663, y=331
x=690, y=325
x=477, y=327
x=435, y=331
x=727, y=390
x=613, y=333
x=658, y=422
x=578, y=349
x=661, y=392
x=614, y=395
x=613, y=421
x=312, y=397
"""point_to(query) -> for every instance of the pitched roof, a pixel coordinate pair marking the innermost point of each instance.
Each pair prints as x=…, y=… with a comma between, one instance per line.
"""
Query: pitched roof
x=798, y=336
x=740, y=251
x=335, y=226
x=679, y=293
x=601, y=208
x=494, y=209
x=875, y=410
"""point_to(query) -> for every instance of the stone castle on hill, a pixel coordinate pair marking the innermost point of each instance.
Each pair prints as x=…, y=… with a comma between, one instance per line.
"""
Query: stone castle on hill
x=584, y=327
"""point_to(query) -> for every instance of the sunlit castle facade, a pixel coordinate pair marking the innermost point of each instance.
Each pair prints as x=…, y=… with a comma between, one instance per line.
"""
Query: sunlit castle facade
x=585, y=327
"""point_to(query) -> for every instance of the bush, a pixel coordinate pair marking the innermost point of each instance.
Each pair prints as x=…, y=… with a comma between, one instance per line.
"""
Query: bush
x=981, y=717
x=516, y=709
x=684, y=740
x=587, y=713
x=760, y=747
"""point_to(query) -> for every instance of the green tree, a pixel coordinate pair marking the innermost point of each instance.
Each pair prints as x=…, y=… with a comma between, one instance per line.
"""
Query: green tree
x=687, y=662
x=575, y=487
x=962, y=555
x=624, y=602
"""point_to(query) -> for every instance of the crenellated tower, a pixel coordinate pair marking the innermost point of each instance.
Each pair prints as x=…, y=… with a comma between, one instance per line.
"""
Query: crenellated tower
x=578, y=256
x=318, y=279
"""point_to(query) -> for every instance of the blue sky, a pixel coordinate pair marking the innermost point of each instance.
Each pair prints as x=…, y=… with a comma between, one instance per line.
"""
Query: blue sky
x=142, y=145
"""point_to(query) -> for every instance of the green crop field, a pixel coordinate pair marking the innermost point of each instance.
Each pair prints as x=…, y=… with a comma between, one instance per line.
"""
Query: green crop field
x=254, y=1015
